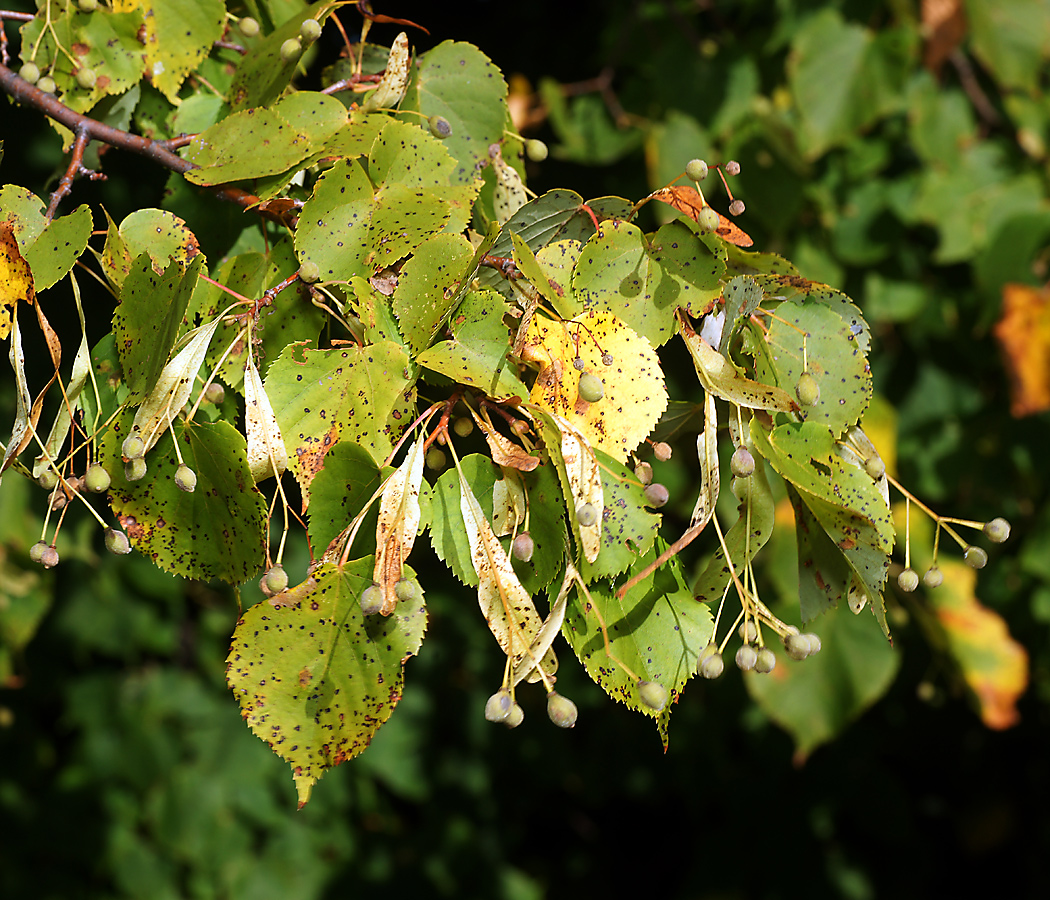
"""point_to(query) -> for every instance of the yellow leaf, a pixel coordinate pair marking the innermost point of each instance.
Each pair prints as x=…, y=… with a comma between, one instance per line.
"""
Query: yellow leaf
x=398, y=524
x=16, y=279
x=634, y=396
x=1023, y=333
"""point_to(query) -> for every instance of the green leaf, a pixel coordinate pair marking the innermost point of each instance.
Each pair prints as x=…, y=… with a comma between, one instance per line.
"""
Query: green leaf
x=824, y=576
x=477, y=354
x=447, y=534
x=161, y=234
x=402, y=218
x=428, y=286
x=24, y=212
x=744, y=540
x=456, y=80
x=341, y=489
x=58, y=247
x=179, y=34
x=219, y=530
x=405, y=154
x=333, y=226
x=219, y=151
x=148, y=319
x=358, y=394
x=546, y=504
x=1012, y=38
x=316, y=679
x=657, y=631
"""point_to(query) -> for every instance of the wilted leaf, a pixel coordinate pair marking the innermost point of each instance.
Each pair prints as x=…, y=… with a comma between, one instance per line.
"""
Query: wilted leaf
x=707, y=450
x=505, y=452
x=687, y=200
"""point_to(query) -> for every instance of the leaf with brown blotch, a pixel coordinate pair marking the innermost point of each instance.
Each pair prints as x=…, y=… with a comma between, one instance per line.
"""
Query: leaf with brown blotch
x=505, y=452
x=16, y=278
x=585, y=484
x=1023, y=333
x=721, y=378
x=689, y=201
x=267, y=454
x=398, y=524
x=707, y=448
x=507, y=607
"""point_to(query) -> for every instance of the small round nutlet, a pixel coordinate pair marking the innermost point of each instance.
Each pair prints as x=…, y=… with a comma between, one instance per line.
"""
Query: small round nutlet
x=49, y=557
x=662, y=451
x=523, y=546
x=807, y=390
x=561, y=710
x=371, y=600
x=656, y=495
x=47, y=84
x=47, y=479
x=998, y=530
x=591, y=388
x=708, y=220
x=309, y=271
x=797, y=645
x=133, y=448
x=515, y=718
x=875, y=467
x=711, y=666
x=248, y=26
x=463, y=426
x=277, y=579
x=644, y=473
x=536, y=150
x=908, y=580
x=36, y=552
x=814, y=642
x=309, y=30
x=499, y=706
x=405, y=591
x=96, y=479
x=934, y=577
x=696, y=170
x=291, y=49
x=587, y=514
x=436, y=459
x=30, y=72
x=439, y=127
x=87, y=5
x=86, y=78
x=652, y=694
x=746, y=657
x=117, y=542
x=748, y=631
x=742, y=463
x=766, y=661
x=607, y=359
x=185, y=479
x=135, y=469
x=976, y=557
x=736, y=208
x=215, y=393
x=578, y=364
x=732, y=167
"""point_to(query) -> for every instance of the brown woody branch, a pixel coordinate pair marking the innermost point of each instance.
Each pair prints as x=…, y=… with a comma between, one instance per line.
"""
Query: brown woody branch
x=87, y=129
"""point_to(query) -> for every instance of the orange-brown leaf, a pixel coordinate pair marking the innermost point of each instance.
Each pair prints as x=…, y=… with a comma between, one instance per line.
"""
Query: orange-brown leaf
x=1023, y=332
x=688, y=200
x=944, y=27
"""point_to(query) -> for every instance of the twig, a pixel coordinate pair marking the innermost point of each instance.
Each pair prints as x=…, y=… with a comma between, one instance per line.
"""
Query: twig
x=24, y=92
x=75, y=167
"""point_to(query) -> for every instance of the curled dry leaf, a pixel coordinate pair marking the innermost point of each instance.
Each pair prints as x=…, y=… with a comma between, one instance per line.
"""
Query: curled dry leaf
x=398, y=524
x=689, y=201
x=585, y=483
x=266, y=451
x=507, y=607
x=391, y=88
x=173, y=388
x=707, y=448
x=505, y=452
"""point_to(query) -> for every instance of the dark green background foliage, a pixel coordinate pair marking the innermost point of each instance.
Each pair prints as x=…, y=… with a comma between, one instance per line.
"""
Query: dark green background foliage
x=125, y=768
